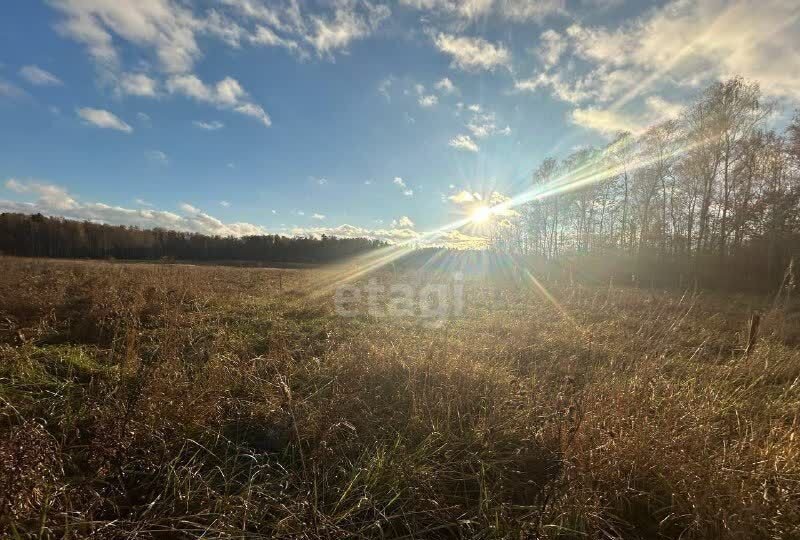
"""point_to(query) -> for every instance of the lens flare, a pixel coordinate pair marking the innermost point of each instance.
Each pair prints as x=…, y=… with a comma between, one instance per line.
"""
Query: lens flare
x=481, y=214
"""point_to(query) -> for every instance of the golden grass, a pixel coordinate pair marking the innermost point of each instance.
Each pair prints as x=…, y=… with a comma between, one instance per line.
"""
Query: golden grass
x=160, y=401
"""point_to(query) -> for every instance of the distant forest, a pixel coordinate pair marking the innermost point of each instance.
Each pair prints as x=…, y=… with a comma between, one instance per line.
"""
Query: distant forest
x=40, y=236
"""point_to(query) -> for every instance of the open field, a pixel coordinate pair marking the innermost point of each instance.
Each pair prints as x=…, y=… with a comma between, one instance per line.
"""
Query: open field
x=158, y=401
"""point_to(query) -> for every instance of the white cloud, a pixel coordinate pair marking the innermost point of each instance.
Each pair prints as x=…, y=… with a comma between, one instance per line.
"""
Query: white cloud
x=403, y=222
x=10, y=90
x=267, y=37
x=142, y=202
x=50, y=196
x=15, y=185
x=226, y=94
x=428, y=101
x=318, y=217
x=611, y=121
x=602, y=4
x=483, y=125
x=171, y=31
x=407, y=191
x=188, y=208
x=167, y=28
x=393, y=235
x=138, y=84
x=528, y=10
x=332, y=27
x=208, y=126
x=512, y=10
x=456, y=239
x=446, y=86
x=346, y=25
x=103, y=119
x=464, y=142
x=551, y=46
x=605, y=121
x=683, y=43
x=464, y=196
x=397, y=235
x=225, y=204
x=473, y=54
x=157, y=156
x=385, y=87
x=662, y=109
x=39, y=77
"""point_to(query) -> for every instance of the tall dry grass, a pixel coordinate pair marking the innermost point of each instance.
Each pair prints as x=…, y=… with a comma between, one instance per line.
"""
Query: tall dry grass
x=148, y=401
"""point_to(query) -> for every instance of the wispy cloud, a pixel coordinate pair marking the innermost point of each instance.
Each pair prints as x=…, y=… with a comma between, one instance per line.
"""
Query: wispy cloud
x=225, y=94
x=609, y=121
x=464, y=142
x=208, y=126
x=428, y=101
x=465, y=196
x=614, y=73
x=483, y=125
x=323, y=32
x=407, y=191
x=138, y=84
x=39, y=77
x=511, y=10
x=446, y=86
x=157, y=156
x=403, y=222
x=473, y=54
x=103, y=119
x=385, y=87
x=10, y=90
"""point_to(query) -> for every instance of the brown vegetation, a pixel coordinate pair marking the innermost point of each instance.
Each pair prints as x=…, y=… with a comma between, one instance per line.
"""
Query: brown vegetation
x=167, y=401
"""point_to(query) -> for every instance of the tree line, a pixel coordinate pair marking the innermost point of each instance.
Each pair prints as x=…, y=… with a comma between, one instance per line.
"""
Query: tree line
x=712, y=195
x=41, y=236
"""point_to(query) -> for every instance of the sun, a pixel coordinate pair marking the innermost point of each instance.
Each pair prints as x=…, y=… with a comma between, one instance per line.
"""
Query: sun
x=481, y=214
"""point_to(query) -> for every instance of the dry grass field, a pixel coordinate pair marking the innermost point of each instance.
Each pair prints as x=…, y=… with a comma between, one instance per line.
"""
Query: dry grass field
x=172, y=401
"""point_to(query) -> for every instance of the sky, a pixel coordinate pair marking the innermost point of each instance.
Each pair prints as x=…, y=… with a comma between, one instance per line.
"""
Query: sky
x=346, y=117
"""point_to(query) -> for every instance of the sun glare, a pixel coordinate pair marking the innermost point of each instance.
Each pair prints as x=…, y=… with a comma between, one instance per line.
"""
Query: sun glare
x=481, y=214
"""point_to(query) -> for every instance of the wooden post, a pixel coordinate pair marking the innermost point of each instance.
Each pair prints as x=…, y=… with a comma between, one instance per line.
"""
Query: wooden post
x=752, y=337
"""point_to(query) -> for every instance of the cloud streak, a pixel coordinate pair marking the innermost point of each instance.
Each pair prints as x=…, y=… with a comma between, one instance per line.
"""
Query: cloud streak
x=471, y=53
x=103, y=119
x=39, y=77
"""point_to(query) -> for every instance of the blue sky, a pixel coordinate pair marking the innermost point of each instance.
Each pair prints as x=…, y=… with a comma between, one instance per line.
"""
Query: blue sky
x=352, y=117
